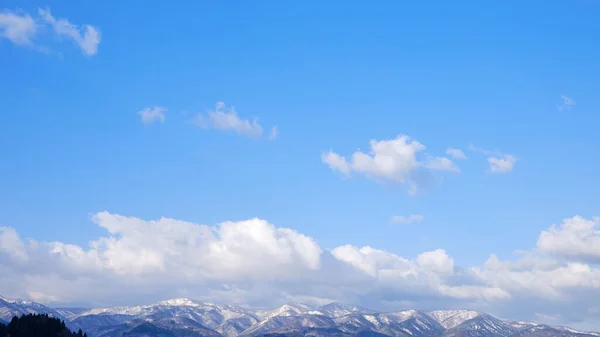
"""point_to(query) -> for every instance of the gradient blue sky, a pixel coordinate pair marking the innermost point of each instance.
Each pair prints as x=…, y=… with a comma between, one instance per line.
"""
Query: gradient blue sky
x=329, y=76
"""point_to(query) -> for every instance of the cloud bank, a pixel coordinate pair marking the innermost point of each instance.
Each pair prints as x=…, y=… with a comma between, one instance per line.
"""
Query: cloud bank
x=254, y=262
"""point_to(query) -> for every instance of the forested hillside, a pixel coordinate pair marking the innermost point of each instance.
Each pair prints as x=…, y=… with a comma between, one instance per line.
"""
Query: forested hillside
x=40, y=325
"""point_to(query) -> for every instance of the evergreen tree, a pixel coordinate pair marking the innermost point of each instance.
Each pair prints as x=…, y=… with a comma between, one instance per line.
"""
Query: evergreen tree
x=37, y=326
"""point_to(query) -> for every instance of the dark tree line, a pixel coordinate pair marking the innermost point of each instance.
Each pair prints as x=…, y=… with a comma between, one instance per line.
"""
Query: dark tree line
x=37, y=326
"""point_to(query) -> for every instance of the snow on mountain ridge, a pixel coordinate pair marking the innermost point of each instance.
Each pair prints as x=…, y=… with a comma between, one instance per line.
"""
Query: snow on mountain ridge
x=232, y=321
x=483, y=325
x=521, y=324
x=576, y=331
x=400, y=316
x=453, y=318
x=120, y=310
x=291, y=309
x=16, y=307
x=228, y=311
x=336, y=309
x=179, y=302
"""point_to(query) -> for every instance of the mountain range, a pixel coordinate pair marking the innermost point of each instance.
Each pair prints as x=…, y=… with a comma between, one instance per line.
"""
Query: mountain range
x=189, y=318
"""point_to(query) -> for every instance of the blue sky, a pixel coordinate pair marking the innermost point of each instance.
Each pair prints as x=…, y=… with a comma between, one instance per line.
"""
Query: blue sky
x=330, y=77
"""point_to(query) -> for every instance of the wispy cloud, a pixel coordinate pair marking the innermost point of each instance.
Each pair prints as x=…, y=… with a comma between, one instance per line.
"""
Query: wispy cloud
x=226, y=119
x=22, y=29
x=502, y=164
x=499, y=162
x=87, y=37
x=456, y=153
x=413, y=218
x=17, y=27
x=440, y=164
x=567, y=103
x=152, y=115
x=274, y=133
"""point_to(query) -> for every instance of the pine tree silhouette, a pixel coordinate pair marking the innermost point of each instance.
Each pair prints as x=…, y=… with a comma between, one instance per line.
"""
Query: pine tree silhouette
x=39, y=325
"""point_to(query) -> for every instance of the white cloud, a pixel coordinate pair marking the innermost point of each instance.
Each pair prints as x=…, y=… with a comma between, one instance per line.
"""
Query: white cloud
x=540, y=278
x=456, y=153
x=498, y=162
x=256, y=263
x=274, y=133
x=436, y=260
x=227, y=119
x=151, y=115
x=413, y=218
x=19, y=28
x=167, y=254
x=502, y=164
x=547, y=318
x=576, y=238
x=336, y=162
x=22, y=28
x=440, y=164
x=567, y=103
x=396, y=160
x=11, y=244
x=87, y=37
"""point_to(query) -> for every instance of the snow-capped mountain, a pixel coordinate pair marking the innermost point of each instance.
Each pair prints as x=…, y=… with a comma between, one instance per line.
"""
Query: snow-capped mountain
x=336, y=309
x=541, y=330
x=185, y=317
x=283, y=324
x=452, y=318
x=400, y=323
x=482, y=325
x=287, y=310
x=227, y=320
x=70, y=313
x=10, y=308
x=164, y=327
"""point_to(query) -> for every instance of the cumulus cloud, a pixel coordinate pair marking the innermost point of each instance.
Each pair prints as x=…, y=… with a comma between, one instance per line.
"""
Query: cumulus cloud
x=413, y=218
x=541, y=279
x=18, y=27
x=501, y=164
x=251, y=255
x=456, y=153
x=226, y=119
x=397, y=160
x=254, y=262
x=567, y=103
x=576, y=238
x=436, y=260
x=11, y=244
x=151, y=115
x=22, y=28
